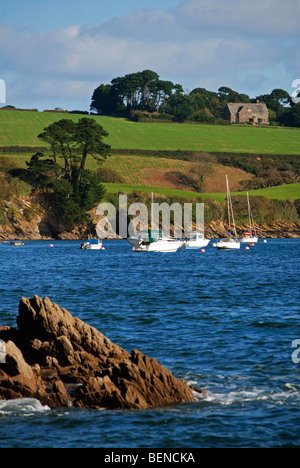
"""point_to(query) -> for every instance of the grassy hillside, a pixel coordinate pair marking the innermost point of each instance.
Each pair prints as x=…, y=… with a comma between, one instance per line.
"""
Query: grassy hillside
x=21, y=128
x=150, y=171
x=147, y=173
x=161, y=172
x=282, y=192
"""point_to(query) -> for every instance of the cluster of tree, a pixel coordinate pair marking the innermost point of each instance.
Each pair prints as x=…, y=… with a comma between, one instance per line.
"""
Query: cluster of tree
x=10, y=184
x=282, y=109
x=62, y=173
x=144, y=91
x=268, y=178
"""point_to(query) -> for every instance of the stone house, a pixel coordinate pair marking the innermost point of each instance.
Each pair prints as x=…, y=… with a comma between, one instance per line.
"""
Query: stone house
x=242, y=112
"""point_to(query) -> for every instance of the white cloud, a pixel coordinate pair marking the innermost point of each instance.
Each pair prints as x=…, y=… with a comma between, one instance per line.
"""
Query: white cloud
x=258, y=17
x=198, y=43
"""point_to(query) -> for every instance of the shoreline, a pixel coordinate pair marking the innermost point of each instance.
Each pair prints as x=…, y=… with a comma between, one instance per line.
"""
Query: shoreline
x=267, y=233
x=30, y=219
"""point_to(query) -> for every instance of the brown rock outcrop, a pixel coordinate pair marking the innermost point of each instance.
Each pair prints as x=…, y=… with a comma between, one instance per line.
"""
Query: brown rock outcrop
x=278, y=229
x=33, y=218
x=62, y=361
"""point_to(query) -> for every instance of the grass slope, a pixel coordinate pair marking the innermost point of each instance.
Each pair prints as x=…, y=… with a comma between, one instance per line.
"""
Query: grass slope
x=157, y=172
x=281, y=192
x=22, y=127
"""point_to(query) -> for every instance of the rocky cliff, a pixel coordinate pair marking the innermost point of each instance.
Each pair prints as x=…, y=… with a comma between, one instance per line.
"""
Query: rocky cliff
x=32, y=218
x=277, y=229
x=62, y=361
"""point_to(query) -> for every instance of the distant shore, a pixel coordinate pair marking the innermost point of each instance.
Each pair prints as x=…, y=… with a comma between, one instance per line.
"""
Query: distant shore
x=280, y=229
x=31, y=218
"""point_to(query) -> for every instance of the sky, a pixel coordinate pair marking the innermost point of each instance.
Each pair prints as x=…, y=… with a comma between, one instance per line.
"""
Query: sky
x=54, y=53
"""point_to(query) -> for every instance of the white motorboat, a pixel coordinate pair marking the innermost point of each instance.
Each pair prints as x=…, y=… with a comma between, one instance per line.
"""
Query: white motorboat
x=154, y=241
x=230, y=242
x=248, y=237
x=196, y=240
x=92, y=244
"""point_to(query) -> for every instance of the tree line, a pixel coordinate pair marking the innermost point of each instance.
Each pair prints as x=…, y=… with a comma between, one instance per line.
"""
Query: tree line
x=145, y=92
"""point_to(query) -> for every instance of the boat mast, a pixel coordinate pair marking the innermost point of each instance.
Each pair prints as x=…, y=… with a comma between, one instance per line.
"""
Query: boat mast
x=251, y=221
x=249, y=214
x=230, y=205
x=152, y=213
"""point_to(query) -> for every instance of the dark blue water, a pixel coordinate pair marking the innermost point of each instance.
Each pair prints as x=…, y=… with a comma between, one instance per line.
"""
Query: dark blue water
x=224, y=321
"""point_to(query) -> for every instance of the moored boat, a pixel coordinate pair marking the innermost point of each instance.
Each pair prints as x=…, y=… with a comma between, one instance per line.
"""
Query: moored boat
x=196, y=240
x=248, y=237
x=154, y=241
x=92, y=244
x=230, y=242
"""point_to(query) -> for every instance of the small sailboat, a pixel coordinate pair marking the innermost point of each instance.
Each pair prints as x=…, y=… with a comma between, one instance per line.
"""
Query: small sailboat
x=230, y=242
x=153, y=240
x=196, y=240
x=248, y=236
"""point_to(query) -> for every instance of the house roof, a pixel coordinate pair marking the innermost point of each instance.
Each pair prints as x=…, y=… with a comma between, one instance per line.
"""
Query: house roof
x=258, y=108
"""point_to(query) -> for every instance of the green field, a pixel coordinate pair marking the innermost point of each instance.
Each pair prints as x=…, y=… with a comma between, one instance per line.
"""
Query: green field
x=281, y=192
x=132, y=167
x=20, y=128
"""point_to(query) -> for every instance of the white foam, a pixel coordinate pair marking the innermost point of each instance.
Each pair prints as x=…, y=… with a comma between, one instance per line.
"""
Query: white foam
x=22, y=406
x=245, y=396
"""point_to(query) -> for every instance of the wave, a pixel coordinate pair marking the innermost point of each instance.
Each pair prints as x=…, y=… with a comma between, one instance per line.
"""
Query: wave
x=22, y=406
x=279, y=397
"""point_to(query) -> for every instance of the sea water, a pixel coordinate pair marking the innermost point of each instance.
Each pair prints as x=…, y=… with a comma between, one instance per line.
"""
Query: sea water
x=224, y=321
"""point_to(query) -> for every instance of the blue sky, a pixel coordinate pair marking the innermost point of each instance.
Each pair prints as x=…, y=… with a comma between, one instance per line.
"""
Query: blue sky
x=54, y=53
x=45, y=15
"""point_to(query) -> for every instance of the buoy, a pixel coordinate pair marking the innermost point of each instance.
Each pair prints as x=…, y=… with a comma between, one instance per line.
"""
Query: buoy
x=214, y=244
x=251, y=245
x=51, y=245
x=202, y=250
x=265, y=241
x=102, y=248
x=247, y=248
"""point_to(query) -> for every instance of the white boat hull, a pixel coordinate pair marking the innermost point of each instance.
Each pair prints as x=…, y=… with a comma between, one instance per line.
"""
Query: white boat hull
x=161, y=245
x=92, y=245
x=197, y=244
x=226, y=244
x=250, y=240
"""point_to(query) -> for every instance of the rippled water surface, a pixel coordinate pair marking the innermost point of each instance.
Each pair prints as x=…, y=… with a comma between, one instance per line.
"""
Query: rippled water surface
x=224, y=321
